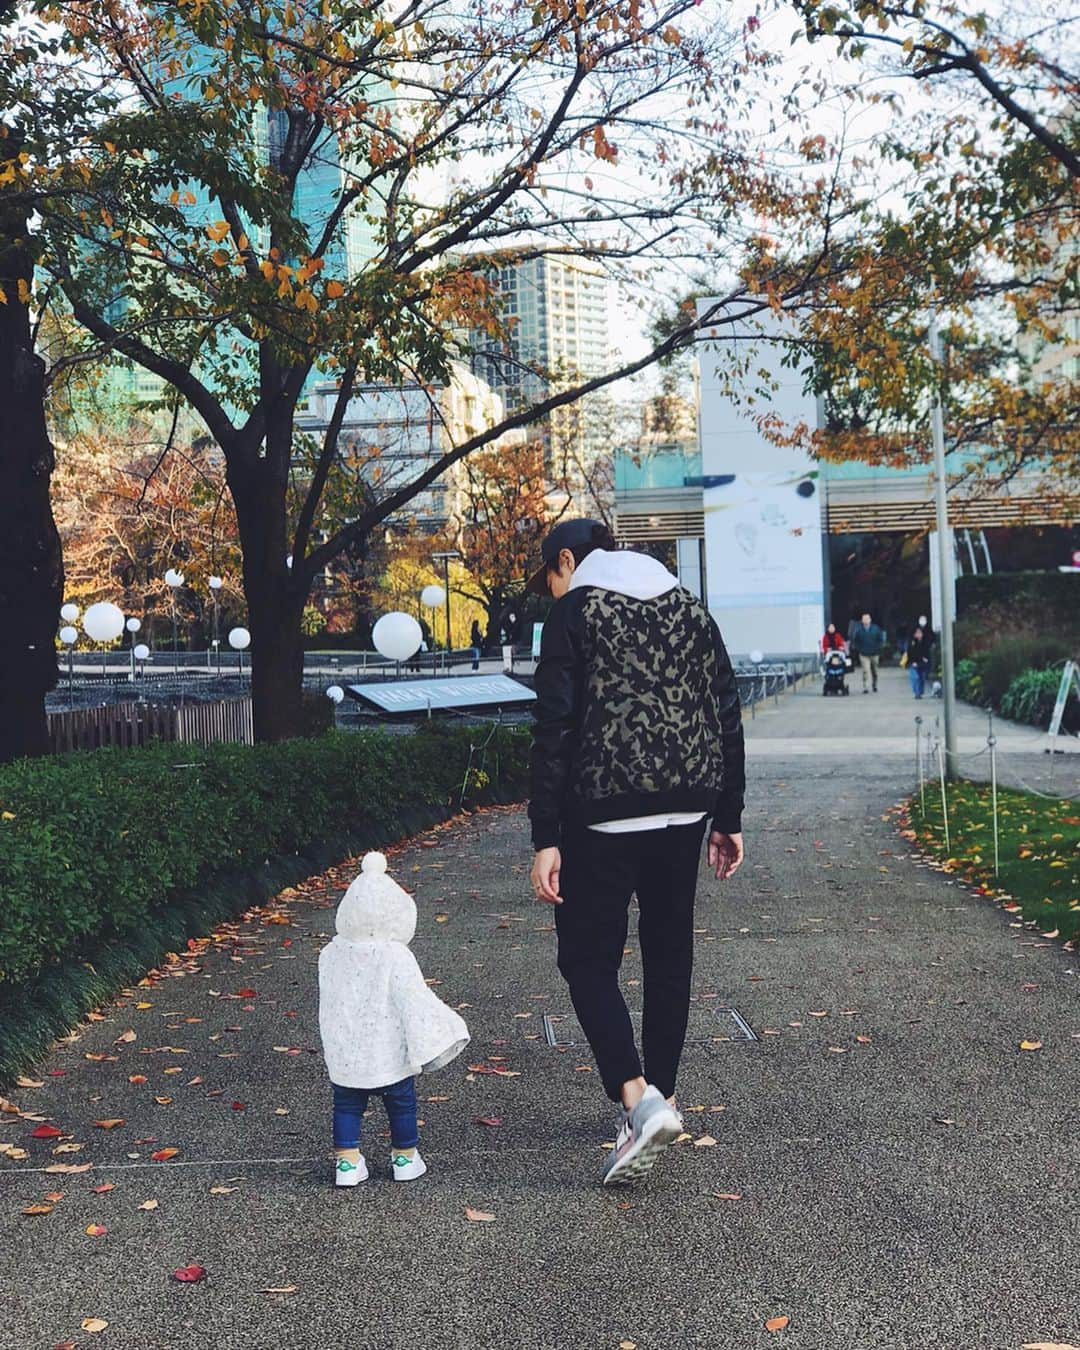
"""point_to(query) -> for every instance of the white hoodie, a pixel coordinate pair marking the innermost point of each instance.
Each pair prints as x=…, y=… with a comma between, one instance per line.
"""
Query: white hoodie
x=643, y=578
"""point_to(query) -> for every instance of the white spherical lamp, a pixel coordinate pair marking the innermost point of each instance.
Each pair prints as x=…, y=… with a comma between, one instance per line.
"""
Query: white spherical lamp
x=69, y=636
x=103, y=622
x=757, y=657
x=239, y=639
x=142, y=651
x=432, y=596
x=69, y=612
x=174, y=578
x=335, y=693
x=133, y=625
x=215, y=583
x=397, y=636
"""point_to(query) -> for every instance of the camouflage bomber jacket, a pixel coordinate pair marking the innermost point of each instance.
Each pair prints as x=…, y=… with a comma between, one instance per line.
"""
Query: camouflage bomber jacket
x=637, y=714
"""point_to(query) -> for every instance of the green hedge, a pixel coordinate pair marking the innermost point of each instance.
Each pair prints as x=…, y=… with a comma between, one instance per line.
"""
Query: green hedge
x=104, y=852
x=1031, y=697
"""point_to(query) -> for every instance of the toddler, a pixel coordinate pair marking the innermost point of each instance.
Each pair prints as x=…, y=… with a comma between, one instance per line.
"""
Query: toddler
x=380, y=1023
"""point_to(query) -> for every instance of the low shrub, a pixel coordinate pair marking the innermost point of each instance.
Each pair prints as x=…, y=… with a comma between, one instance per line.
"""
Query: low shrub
x=969, y=678
x=1031, y=697
x=1011, y=656
x=97, y=846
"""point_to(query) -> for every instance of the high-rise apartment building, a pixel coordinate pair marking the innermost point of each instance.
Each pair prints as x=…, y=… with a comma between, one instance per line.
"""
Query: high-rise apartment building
x=556, y=311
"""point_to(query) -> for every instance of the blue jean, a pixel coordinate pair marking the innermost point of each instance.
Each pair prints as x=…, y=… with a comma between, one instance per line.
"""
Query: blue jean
x=399, y=1100
x=917, y=676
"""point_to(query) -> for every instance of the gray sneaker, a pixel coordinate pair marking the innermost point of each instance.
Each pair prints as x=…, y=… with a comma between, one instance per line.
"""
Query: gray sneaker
x=645, y=1132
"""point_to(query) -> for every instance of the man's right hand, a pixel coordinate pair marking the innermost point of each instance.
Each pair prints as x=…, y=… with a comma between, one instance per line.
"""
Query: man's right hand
x=725, y=853
x=545, y=875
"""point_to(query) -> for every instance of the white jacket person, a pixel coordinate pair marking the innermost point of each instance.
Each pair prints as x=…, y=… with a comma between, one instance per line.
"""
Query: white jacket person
x=379, y=1021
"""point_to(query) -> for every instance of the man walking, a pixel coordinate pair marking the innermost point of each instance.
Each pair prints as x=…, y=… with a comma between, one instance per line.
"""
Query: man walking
x=867, y=642
x=638, y=740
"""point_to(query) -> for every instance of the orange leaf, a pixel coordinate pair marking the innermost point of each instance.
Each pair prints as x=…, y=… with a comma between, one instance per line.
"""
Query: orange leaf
x=335, y=290
x=96, y=1230
x=109, y=1124
x=777, y=1323
x=38, y=1209
x=164, y=1154
x=478, y=1215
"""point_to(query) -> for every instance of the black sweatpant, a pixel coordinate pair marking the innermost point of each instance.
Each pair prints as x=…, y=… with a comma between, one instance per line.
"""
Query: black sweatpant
x=599, y=874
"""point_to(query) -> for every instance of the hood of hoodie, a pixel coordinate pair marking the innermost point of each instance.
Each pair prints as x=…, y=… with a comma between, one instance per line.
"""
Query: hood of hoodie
x=633, y=574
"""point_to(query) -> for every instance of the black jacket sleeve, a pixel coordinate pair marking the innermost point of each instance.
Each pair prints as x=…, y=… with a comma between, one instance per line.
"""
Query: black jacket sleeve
x=559, y=676
x=727, y=811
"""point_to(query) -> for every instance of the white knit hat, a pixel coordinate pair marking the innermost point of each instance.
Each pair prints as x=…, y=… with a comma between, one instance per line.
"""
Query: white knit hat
x=375, y=907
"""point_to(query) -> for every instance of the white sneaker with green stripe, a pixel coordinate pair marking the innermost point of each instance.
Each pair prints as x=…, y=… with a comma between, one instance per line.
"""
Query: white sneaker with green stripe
x=405, y=1168
x=348, y=1173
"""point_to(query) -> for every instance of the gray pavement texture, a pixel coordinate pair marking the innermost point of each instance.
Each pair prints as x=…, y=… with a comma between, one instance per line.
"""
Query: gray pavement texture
x=889, y=1168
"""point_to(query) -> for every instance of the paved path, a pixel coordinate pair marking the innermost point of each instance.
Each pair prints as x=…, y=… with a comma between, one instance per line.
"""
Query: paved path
x=908, y=1178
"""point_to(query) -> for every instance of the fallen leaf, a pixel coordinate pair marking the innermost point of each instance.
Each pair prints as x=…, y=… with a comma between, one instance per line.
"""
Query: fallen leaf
x=478, y=1215
x=104, y=1188
x=628, y=1345
x=492, y=1121
x=189, y=1274
x=1031, y=1045
x=164, y=1154
x=38, y=1209
x=705, y=1141
x=25, y=1082
x=46, y=1132
x=64, y=1345
x=727, y=1195
x=863, y=1040
x=223, y=1190
x=125, y=1037
x=777, y=1323
x=163, y=1101
x=69, y=1169
x=246, y=993
x=281, y=1110
x=137, y=1078
x=1049, y=1345
x=53, y=1196
x=282, y=1289
x=68, y=1148
x=94, y=1324
x=109, y=1124
x=149, y=1204
x=96, y=1230
x=239, y=1106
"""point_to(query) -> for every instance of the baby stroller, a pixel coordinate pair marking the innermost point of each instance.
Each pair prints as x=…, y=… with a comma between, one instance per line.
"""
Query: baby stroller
x=834, y=669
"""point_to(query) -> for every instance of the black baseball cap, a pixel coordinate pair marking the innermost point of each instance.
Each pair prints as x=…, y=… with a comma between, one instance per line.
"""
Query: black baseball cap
x=576, y=535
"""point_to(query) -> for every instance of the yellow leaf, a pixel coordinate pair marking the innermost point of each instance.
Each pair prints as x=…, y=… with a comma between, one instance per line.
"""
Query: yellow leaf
x=218, y=230
x=1031, y=1045
x=335, y=290
x=24, y=291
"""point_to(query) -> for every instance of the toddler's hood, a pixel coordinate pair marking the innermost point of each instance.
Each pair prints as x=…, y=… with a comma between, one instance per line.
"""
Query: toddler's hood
x=375, y=907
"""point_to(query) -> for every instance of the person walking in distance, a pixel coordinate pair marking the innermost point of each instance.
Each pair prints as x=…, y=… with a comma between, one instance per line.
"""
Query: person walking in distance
x=508, y=633
x=476, y=640
x=637, y=743
x=918, y=662
x=867, y=642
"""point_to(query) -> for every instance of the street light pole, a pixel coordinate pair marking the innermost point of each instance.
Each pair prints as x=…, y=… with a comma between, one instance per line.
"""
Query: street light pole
x=215, y=584
x=445, y=558
x=945, y=563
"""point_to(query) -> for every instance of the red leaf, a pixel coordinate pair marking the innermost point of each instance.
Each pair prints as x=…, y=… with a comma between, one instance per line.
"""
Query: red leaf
x=189, y=1274
x=46, y=1132
x=246, y=993
x=239, y=1106
x=164, y=1154
x=488, y=1120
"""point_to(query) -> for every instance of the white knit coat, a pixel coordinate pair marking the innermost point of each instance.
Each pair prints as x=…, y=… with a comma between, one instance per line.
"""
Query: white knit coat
x=379, y=1021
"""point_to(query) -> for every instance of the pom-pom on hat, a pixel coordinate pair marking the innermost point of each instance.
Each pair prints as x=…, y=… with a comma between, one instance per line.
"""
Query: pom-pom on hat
x=375, y=908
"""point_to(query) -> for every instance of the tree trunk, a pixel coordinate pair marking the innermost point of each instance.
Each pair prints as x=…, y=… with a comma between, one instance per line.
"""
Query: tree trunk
x=275, y=600
x=31, y=566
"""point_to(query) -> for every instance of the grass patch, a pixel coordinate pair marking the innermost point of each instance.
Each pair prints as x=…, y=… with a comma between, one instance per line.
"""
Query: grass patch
x=1038, y=849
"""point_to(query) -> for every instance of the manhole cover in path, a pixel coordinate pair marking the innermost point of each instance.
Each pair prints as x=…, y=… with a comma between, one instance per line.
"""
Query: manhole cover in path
x=718, y=1025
